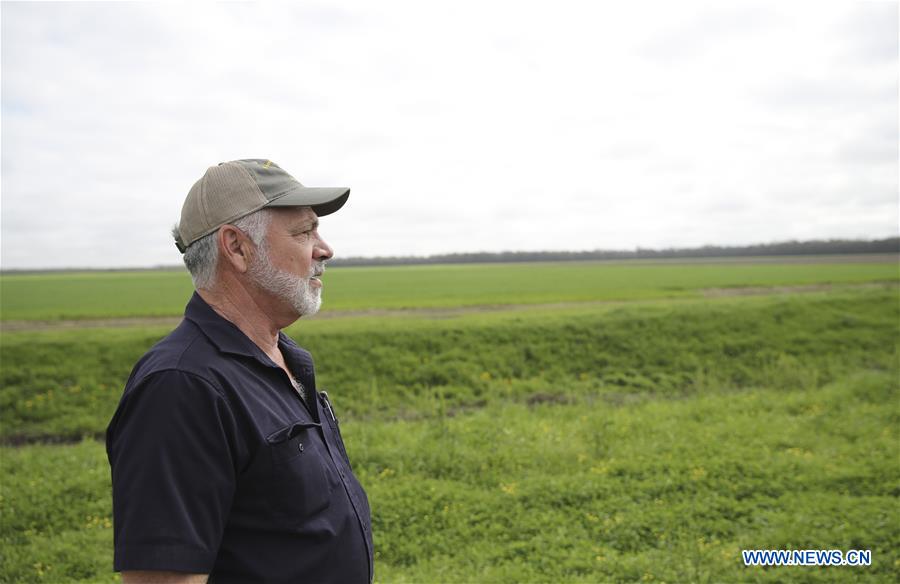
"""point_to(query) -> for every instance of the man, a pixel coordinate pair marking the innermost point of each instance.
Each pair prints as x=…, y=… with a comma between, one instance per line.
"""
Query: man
x=227, y=462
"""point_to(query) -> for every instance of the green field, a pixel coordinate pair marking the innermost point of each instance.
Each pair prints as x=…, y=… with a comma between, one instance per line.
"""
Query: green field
x=648, y=440
x=163, y=293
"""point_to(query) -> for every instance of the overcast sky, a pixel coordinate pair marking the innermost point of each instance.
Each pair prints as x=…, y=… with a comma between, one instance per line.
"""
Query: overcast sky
x=463, y=126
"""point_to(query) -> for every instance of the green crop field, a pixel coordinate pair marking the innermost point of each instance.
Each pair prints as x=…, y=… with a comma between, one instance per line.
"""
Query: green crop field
x=163, y=293
x=647, y=440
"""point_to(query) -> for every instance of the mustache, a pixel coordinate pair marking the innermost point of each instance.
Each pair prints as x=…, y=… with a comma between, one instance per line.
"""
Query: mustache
x=318, y=270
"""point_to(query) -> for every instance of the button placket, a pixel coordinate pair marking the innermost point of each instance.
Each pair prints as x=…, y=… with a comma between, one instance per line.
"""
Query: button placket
x=340, y=465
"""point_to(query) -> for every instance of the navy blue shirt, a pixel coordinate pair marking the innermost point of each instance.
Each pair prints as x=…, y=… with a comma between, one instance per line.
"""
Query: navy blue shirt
x=219, y=467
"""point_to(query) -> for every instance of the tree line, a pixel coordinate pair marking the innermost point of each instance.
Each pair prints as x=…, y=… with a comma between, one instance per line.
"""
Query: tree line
x=890, y=245
x=785, y=248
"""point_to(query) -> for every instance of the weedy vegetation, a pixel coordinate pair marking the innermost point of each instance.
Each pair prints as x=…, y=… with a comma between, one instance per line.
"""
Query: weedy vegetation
x=634, y=441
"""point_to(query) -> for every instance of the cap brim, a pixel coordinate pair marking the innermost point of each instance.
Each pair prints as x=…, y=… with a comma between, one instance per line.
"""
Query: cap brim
x=323, y=200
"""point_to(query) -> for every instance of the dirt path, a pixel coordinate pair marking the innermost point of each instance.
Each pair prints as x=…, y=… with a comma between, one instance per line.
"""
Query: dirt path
x=61, y=325
x=172, y=321
x=763, y=290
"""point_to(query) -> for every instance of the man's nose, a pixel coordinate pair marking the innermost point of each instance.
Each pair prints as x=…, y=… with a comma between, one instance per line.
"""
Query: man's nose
x=323, y=250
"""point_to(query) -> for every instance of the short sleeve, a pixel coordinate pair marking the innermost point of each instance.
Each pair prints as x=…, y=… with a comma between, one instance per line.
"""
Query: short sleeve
x=171, y=448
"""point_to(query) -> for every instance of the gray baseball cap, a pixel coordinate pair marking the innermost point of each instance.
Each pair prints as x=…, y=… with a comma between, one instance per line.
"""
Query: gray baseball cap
x=231, y=190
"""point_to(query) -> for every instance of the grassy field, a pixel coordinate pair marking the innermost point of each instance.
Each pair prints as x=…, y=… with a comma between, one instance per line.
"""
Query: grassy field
x=163, y=293
x=639, y=441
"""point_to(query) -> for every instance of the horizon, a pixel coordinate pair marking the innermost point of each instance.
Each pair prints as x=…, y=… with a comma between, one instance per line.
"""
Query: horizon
x=375, y=261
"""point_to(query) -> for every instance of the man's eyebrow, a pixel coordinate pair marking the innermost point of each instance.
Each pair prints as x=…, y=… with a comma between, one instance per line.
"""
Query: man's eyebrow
x=305, y=226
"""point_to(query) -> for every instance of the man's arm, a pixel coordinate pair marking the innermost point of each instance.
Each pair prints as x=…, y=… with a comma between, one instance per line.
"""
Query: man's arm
x=156, y=577
x=171, y=448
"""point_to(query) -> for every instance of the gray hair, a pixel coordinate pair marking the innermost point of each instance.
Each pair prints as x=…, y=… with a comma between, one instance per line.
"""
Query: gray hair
x=201, y=257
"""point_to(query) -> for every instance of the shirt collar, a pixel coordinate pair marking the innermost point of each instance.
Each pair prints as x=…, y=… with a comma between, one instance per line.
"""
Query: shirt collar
x=228, y=338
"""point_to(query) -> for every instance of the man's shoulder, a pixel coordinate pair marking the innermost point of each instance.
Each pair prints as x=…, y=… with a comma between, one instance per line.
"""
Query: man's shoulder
x=185, y=349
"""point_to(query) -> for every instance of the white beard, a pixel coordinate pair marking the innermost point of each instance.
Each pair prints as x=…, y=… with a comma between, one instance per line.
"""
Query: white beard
x=294, y=290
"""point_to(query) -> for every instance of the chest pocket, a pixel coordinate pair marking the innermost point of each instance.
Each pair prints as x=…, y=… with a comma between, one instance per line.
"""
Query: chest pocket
x=302, y=478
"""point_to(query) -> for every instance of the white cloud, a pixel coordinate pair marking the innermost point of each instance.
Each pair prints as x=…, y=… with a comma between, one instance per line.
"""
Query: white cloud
x=462, y=127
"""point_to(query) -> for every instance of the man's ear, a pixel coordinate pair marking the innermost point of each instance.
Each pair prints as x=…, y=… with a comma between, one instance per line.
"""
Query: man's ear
x=235, y=247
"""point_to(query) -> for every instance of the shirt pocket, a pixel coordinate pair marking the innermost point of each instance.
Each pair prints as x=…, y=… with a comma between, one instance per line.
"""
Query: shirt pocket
x=302, y=478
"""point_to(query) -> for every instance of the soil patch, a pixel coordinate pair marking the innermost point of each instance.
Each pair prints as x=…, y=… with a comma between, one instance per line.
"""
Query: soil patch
x=763, y=290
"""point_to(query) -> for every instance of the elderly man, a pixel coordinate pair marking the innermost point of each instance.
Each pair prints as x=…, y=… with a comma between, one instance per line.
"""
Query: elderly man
x=227, y=462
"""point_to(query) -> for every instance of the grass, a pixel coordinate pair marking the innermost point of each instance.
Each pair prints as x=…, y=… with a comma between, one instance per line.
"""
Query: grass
x=66, y=384
x=57, y=514
x=641, y=441
x=649, y=490
x=654, y=490
x=163, y=293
